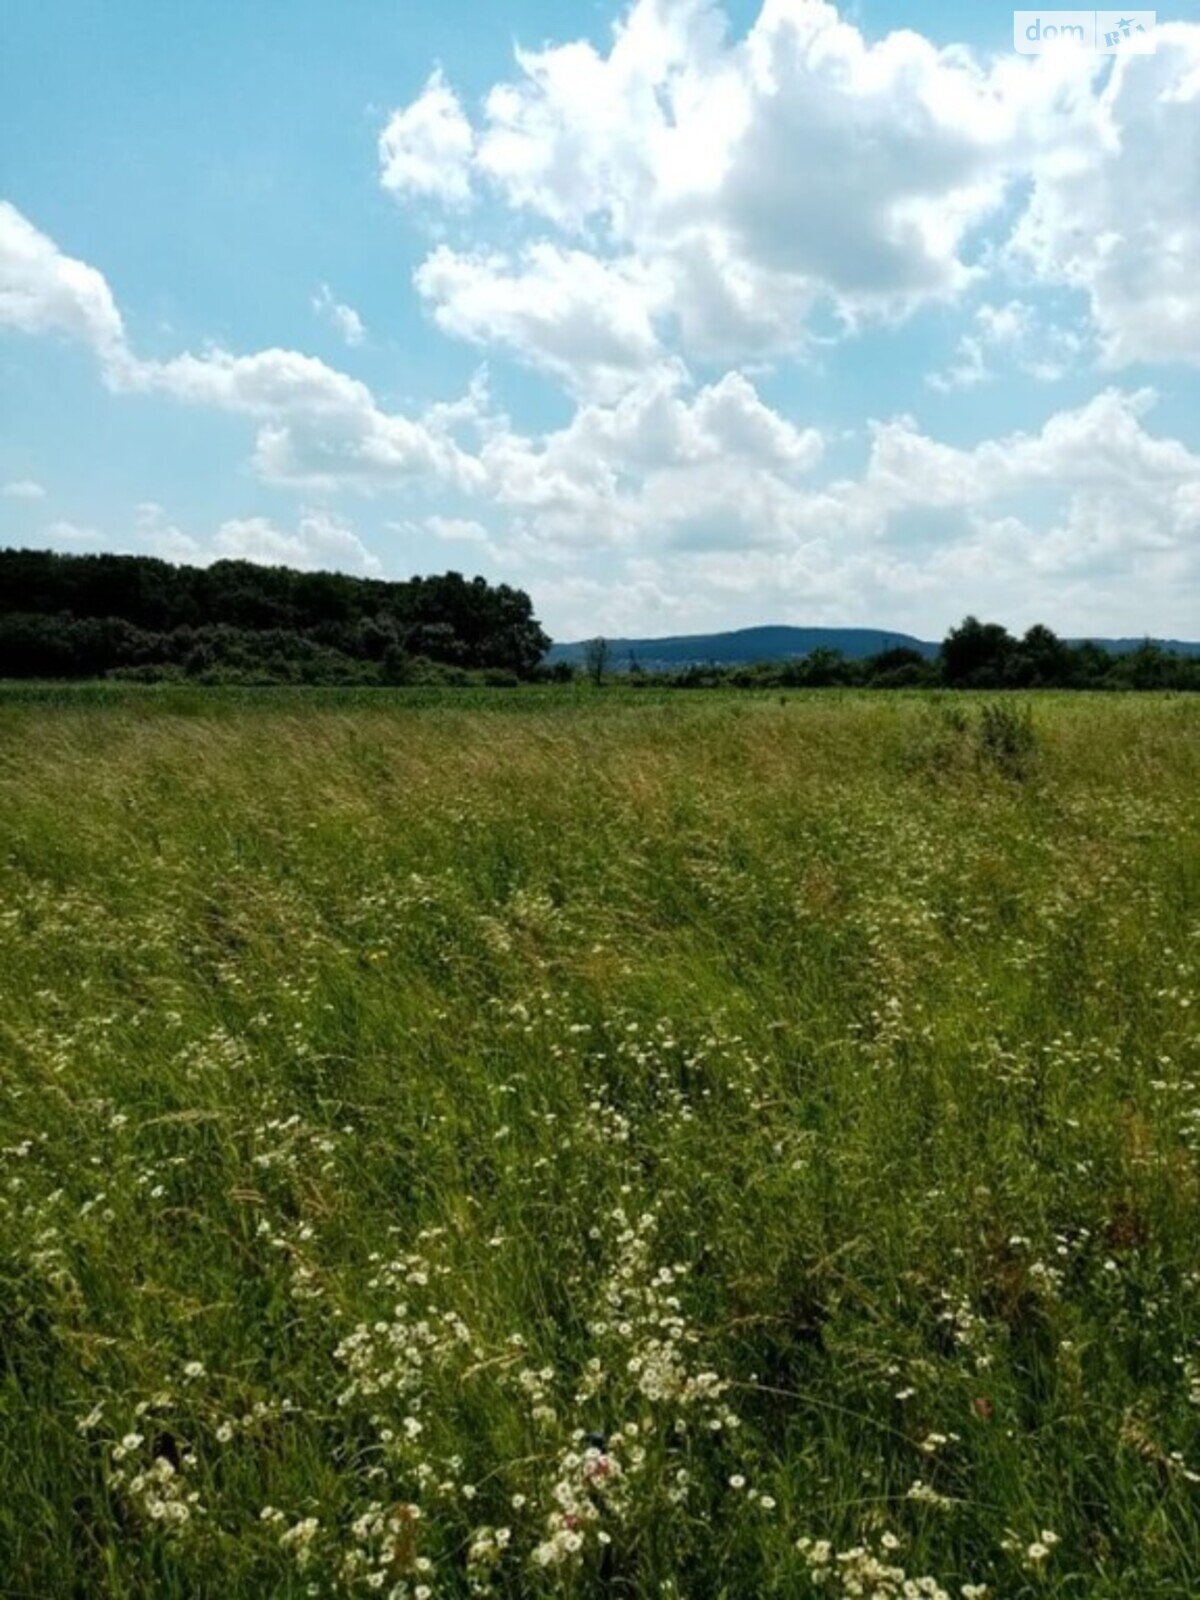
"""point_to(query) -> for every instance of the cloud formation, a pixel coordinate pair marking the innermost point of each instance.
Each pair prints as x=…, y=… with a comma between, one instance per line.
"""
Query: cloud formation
x=684, y=210
x=317, y=427
x=761, y=182
x=586, y=322
x=426, y=148
x=42, y=290
x=319, y=541
x=1118, y=217
x=761, y=179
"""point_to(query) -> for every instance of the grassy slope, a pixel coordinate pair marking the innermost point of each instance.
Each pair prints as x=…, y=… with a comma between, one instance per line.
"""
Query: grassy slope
x=453, y=1085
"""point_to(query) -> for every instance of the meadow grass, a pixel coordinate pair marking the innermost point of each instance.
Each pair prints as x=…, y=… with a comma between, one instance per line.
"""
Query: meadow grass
x=598, y=1143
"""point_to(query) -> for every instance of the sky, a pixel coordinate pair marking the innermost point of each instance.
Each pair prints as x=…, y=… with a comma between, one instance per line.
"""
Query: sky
x=679, y=315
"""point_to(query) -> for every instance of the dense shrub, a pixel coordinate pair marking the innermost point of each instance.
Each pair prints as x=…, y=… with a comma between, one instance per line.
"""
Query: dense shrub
x=1005, y=739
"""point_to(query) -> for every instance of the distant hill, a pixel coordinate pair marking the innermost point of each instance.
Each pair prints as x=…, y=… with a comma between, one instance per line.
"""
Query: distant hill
x=785, y=644
x=745, y=644
x=1122, y=647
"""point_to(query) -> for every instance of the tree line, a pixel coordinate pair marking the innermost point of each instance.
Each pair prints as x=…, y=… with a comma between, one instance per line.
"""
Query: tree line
x=975, y=655
x=137, y=617
x=64, y=616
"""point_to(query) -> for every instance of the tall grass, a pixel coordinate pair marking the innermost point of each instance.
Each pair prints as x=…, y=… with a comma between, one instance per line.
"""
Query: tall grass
x=598, y=1144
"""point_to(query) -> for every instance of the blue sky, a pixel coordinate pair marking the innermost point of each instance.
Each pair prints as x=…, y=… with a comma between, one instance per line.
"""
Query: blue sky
x=685, y=316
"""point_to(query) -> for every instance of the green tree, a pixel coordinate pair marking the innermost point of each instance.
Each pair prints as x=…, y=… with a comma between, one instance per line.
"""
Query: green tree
x=977, y=654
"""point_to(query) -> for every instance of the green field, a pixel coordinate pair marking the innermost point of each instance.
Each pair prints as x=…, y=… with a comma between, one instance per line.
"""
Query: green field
x=598, y=1144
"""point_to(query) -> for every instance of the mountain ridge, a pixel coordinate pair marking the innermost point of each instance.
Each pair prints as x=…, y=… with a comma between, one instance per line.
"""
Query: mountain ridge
x=785, y=642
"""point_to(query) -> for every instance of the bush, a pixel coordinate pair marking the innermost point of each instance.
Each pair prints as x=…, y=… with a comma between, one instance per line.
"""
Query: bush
x=1005, y=739
x=938, y=741
x=152, y=672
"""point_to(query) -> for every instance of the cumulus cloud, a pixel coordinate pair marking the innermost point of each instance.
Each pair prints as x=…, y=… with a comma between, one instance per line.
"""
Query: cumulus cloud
x=656, y=461
x=1118, y=214
x=426, y=148
x=1101, y=448
x=24, y=489
x=706, y=467
x=317, y=428
x=800, y=164
x=44, y=291
x=713, y=492
x=683, y=198
x=320, y=541
x=763, y=177
x=587, y=322
x=344, y=320
x=1078, y=522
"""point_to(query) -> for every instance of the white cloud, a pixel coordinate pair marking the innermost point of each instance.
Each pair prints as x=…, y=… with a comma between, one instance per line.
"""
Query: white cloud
x=996, y=328
x=647, y=602
x=321, y=541
x=1085, y=522
x=715, y=465
x=345, y=321
x=762, y=177
x=426, y=148
x=585, y=321
x=44, y=291
x=709, y=196
x=318, y=428
x=1005, y=325
x=728, y=189
x=1118, y=214
x=713, y=498
x=1099, y=448
x=24, y=489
